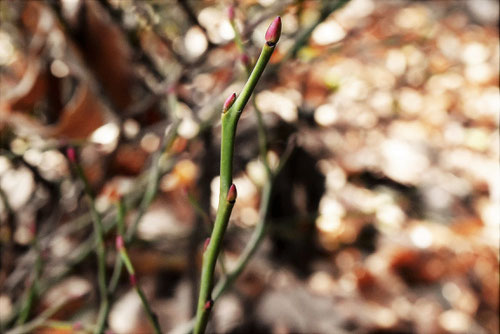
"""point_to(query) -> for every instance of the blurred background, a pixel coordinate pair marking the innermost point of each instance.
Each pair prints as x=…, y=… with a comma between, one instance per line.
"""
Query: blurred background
x=384, y=218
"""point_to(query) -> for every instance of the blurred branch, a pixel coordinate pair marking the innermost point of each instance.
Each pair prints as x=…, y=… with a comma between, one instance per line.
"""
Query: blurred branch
x=101, y=247
x=7, y=242
x=188, y=10
x=39, y=321
x=84, y=249
x=32, y=293
x=149, y=195
x=328, y=8
x=120, y=246
x=133, y=37
x=72, y=36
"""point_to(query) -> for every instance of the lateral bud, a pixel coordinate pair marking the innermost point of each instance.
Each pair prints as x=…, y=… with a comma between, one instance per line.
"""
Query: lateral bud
x=245, y=60
x=119, y=242
x=209, y=304
x=232, y=194
x=133, y=279
x=77, y=326
x=205, y=244
x=71, y=154
x=229, y=102
x=273, y=33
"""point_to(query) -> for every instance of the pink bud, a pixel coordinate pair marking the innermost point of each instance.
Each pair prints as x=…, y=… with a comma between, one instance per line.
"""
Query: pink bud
x=119, y=242
x=245, y=60
x=32, y=228
x=229, y=102
x=133, y=280
x=231, y=194
x=230, y=13
x=77, y=326
x=171, y=89
x=209, y=304
x=205, y=245
x=71, y=154
x=273, y=33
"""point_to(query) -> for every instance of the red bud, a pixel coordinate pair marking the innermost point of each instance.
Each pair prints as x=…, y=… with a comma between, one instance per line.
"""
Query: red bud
x=205, y=245
x=231, y=194
x=133, y=280
x=209, y=304
x=119, y=242
x=71, y=154
x=273, y=33
x=229, y=102
x=230, y=13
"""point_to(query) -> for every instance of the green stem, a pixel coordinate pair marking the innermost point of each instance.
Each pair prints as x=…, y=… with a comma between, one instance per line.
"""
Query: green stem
x=229, y=122
x=208, y=223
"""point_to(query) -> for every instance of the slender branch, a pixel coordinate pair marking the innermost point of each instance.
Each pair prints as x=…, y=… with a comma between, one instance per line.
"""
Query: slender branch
x=231, y=114
x=259, y=232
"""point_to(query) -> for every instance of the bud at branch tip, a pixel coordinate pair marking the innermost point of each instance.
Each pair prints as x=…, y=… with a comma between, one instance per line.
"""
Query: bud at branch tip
x=229, y=102
x=230, y=13
x=273, y=33
x=231, y=194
